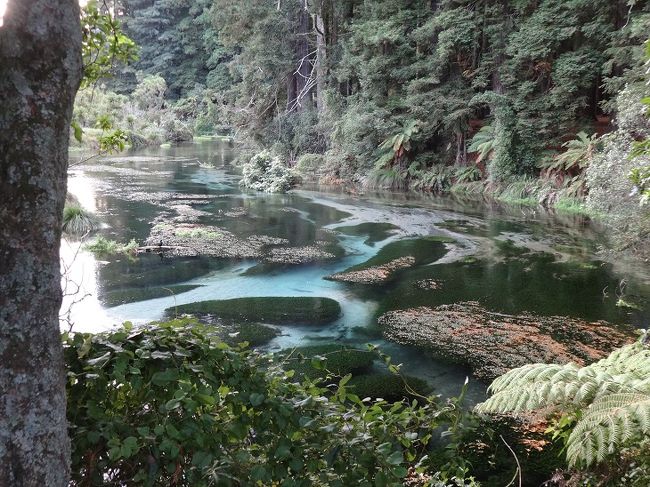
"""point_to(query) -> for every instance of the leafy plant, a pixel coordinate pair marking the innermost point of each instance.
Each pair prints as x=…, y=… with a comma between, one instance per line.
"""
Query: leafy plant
x=577, y=155
x=266, y=172
x=395, y=147
x=104, y=43
x=610, y=400
x=467, y=174
x=386, y=178
x=483, y=142
x=640, y=177
x=436, y=179
x=170, y=404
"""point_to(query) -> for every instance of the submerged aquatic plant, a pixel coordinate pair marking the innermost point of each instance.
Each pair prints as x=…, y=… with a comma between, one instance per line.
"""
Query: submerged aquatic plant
x=78, y=221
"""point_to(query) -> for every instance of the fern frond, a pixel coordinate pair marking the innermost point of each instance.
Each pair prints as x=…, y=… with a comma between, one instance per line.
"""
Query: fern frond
x=614, y=394
x=609, y=423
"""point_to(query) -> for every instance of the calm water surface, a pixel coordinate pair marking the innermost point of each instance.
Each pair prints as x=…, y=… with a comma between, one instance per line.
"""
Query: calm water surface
x=512, y=260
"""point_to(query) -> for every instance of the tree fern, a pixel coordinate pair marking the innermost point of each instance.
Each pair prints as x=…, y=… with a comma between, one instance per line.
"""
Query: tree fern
x=613, y=395
x=483, y=142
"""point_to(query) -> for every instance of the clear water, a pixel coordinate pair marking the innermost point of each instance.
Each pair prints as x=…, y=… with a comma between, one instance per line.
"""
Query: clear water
x=509, y=259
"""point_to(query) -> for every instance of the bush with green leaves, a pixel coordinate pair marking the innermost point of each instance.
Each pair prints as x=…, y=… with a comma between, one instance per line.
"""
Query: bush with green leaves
x=309, y=166
x=266, y=172
x=170, y=404
x=605, y=405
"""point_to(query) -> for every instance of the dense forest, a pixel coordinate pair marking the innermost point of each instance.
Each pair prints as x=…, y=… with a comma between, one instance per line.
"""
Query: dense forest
x=503, y=98
x=340, y=78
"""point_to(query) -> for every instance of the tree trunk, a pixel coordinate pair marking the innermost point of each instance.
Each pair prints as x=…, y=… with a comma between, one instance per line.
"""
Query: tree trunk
x=304, y=68
x=40, y=71
x=321, y=60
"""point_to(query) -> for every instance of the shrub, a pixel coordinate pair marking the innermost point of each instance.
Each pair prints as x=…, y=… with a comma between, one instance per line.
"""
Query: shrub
x=170, y=404
x=265, y=172
x=176, y=131
x=310, y=165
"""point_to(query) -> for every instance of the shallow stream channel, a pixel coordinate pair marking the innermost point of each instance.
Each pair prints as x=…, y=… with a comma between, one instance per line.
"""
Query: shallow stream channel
x=449, y=289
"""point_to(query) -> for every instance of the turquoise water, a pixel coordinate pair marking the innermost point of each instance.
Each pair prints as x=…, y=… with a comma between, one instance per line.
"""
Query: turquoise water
x=509, y=259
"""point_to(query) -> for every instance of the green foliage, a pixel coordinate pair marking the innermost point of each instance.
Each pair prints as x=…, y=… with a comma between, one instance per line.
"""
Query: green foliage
x=483, y=143
x=78, y=221
x=145, y=117
x=397, y=146
x=611, y=190
x=467, y=174
x=104, y=247
x=437, y=179
x=310, y=165
x=609, y=398
x=278, y=310
x=579, y=152
x=172, y=404
x=104, y=43
x=266, y=172
x=640, y=177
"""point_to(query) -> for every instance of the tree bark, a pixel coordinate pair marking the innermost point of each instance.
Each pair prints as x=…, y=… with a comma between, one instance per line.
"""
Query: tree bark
x=321, y=59
x=40, y=71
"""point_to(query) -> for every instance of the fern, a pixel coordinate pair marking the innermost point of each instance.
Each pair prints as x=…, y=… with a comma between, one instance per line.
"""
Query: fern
x=613, y=395
x=483, y=143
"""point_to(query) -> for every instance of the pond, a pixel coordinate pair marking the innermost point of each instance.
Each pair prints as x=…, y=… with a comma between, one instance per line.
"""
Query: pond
x=506, y=260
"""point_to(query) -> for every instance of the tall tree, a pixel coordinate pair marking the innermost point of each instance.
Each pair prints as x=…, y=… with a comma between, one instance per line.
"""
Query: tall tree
x=40, y=71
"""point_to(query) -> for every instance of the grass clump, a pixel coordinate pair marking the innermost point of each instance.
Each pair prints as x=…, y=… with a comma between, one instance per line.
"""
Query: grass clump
x=275, y=310
x=78, y=221
x=104, y=247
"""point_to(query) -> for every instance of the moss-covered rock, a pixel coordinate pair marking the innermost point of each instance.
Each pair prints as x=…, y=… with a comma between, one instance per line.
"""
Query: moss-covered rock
x=275, y=310
x=492, y=343
x=339, y=360
x=255, y=334
x=388, y=386
x=392, y=258
x=374, y=275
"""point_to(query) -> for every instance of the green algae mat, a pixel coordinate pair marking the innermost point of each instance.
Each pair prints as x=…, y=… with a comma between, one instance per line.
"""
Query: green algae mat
x=274, y=310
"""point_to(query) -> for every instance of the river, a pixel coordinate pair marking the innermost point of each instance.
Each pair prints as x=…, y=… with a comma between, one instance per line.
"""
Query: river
x=509, y=259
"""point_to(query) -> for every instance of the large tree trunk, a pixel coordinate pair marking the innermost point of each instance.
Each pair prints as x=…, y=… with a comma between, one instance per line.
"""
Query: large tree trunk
x=321, y=58
x=40, y=71
x=303, y=74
